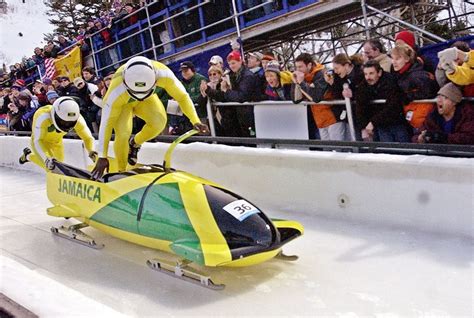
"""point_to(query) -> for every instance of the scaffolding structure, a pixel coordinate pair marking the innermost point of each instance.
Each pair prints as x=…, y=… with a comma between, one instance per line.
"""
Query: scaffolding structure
x=347, y=30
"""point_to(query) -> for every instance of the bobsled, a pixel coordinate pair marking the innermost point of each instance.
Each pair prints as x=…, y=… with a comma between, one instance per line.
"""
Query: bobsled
x=162, y=208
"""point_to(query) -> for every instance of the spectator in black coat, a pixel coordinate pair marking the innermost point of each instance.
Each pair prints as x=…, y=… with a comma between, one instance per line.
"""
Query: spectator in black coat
x=383, y=122
x=239, y=86
x=347, y=70
x=415, y=82
x=66, y=88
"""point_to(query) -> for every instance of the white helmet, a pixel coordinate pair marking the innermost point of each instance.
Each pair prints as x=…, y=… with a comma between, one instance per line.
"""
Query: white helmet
x=65, y=113
x=139, y=77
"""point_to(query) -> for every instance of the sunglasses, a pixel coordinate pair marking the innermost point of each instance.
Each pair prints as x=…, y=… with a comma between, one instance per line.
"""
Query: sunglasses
x=213, y=74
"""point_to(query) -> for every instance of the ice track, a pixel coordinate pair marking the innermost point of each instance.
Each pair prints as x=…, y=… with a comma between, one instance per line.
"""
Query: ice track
x=345, y=269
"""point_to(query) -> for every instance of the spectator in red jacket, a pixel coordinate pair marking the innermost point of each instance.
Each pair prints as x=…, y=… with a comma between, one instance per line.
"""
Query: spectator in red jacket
x=451, y=122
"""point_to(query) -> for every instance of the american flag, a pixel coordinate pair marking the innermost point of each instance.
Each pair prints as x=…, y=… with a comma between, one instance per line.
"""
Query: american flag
x=48, y=69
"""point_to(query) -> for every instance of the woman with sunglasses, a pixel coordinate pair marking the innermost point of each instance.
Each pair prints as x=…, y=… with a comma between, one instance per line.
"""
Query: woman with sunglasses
x=211, y=89
x=50, y=124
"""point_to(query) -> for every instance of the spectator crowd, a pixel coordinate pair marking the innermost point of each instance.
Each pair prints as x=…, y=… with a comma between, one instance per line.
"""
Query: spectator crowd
x=400, y=77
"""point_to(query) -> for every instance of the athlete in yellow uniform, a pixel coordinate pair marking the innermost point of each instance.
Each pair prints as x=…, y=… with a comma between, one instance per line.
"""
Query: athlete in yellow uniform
x=50, y=124
x=131, y=92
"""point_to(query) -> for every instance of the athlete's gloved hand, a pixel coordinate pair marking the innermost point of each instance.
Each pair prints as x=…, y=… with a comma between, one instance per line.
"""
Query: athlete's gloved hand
x=101, y=165
x=93, y=155
x=202, y=128
x=50, y=163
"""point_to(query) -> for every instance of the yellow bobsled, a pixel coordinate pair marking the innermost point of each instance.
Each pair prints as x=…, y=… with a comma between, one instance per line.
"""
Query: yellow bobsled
x=169, y=210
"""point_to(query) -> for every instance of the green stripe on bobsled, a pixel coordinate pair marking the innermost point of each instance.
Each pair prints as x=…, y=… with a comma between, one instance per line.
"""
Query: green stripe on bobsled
x=163, y=214
x=189, y=249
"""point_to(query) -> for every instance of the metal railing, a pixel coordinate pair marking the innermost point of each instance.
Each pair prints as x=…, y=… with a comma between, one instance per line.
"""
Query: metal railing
x=347, y=102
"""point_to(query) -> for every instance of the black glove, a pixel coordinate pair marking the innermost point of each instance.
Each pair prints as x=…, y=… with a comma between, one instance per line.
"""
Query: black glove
x=50, y=163
x=101, y=165
x=93, y=155
x=436, y=137
x=202, y=128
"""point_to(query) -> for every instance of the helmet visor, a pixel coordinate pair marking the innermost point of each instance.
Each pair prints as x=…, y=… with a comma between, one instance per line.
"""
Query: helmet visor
x=64, y=125
x=139, y=95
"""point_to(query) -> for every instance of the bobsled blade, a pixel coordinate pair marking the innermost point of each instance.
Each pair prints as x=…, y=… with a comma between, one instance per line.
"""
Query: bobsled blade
x=74, y=234
x=285, y=257
x=183, y=272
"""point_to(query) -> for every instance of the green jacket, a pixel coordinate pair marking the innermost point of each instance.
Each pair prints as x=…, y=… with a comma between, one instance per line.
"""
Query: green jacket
x=192, y=87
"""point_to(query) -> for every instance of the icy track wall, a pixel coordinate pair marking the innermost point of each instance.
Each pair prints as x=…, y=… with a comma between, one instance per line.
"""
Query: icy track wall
x=427, y=193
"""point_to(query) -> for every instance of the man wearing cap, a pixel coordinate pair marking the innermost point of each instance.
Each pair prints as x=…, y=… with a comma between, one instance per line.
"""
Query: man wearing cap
x=66, y=88
x=254, y=64
x=242, y=86
x=192, y=82
x=451, y=122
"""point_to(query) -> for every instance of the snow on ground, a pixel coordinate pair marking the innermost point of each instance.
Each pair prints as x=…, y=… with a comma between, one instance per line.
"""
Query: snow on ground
x=345, y=269
x=31, y=20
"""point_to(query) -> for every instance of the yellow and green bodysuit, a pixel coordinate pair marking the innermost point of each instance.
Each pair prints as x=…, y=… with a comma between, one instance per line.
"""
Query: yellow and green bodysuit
x=47, y=142
x=119, y=108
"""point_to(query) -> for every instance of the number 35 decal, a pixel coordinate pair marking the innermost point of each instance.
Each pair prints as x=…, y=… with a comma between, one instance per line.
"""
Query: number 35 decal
x=240, y=209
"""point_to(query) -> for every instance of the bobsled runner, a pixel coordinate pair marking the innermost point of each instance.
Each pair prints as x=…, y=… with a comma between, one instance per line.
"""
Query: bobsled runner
x=162, y=208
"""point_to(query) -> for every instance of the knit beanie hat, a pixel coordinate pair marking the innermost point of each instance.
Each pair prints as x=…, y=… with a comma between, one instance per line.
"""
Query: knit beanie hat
x=407, y=37
x=452, y=92
x=273, y=66
x=51, y=94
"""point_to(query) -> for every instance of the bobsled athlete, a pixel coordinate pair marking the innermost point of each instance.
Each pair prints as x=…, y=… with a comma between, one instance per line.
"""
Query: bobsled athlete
x=50, y=124
x=130, y=93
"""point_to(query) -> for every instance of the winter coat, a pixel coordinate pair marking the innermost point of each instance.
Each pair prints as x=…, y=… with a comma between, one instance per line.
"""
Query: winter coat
x=316, y=87
x=463, y=131
x=464, y=74
x=385, y=62
x=86, y=104
x=244, y=88
x=192, y=86
x=380, y=115
x=69, y=90
x=106, y=37
x=282, y=92
x=261, y=82
x=355, y=78
x=416, y=83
